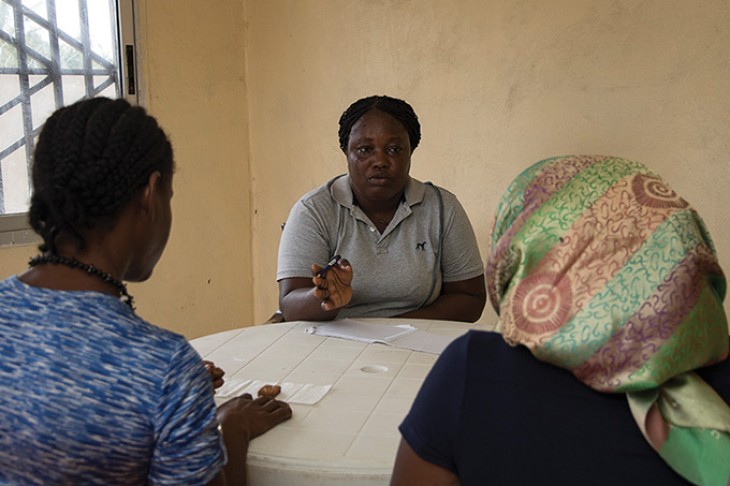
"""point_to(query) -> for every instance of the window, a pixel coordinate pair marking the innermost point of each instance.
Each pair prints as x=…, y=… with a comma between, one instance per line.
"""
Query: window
x=53, y=53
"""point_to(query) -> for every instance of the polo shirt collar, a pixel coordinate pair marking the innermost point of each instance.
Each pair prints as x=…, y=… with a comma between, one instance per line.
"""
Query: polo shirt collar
x=342, y=192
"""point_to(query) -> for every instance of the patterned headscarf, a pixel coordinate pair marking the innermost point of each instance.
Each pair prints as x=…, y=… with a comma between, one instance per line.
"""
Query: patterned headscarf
x=598, y=267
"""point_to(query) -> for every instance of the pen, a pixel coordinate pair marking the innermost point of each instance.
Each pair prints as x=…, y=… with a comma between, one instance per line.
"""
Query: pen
x=329, y=265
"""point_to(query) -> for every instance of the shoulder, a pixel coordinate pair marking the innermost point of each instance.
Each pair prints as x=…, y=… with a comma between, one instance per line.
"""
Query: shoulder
x=482, y=355
x=482, y=345
x=478, y=343
x=437, y=195
x=12, y=289
x=156, y=336
x=96, y=319
x=325, y=199
x=438, y=191
x=315, y=194
x=427, y=196
x=442, y=191
x=328, y=192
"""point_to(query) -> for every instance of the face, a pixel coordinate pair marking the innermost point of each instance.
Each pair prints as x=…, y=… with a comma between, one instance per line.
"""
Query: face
x=165, y=221
x=378, y=158
x=157, y=232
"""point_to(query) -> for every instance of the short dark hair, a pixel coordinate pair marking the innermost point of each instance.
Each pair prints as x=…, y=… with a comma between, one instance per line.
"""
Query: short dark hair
x=398, y=109
x=92, y=157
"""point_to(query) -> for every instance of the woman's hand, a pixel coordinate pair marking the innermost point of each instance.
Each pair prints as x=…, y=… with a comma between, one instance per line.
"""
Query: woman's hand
x=319, y=298
x=216, y=374
x=335, y=287
x=242, y=419
x=251, y=417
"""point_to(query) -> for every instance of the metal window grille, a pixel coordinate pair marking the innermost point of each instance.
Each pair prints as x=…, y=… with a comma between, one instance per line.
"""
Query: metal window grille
x=51, y=55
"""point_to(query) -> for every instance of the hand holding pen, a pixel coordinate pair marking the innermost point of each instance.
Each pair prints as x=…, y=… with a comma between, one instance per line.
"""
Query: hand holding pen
x=333, y=283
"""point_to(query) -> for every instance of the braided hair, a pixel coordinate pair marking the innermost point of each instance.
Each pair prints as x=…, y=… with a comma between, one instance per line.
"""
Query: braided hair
x=91, y=159
x=398, y=109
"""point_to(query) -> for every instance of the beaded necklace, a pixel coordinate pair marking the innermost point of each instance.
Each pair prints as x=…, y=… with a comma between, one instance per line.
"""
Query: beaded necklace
x=90, y=269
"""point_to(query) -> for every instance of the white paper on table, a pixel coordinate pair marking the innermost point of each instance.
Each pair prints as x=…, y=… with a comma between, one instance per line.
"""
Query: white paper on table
x=304, y=393
x=361, y=331
x=423, y=341
x=401, y=336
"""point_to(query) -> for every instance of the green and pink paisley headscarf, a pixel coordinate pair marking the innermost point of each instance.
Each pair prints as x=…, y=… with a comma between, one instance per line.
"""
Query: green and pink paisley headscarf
x=598, y=267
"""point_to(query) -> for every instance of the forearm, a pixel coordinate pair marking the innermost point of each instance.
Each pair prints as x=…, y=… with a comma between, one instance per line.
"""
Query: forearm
x=236, y=442
x=235, y=469
x=242, y=419
x=451, y=307
x=234, y=472
x=302, y=305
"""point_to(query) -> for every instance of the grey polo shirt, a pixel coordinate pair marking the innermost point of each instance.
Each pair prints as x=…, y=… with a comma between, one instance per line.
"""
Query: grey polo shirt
x=393, y=272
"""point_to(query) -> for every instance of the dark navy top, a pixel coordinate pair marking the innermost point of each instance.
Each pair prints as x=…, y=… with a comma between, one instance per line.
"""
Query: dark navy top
x=494, y=414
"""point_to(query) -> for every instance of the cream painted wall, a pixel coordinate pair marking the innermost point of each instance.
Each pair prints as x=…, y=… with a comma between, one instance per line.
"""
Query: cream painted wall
x=497, y=85
x=194, y=68
x=194, y=83
x=14, y=260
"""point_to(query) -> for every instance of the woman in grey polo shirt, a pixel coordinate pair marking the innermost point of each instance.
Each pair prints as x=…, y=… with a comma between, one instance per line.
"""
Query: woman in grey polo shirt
x=407, y=248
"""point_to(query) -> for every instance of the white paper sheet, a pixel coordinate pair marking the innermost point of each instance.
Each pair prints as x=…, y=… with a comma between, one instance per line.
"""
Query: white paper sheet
x=361, y=331
x=423, y=341
x=403, y=336
x=304, y=393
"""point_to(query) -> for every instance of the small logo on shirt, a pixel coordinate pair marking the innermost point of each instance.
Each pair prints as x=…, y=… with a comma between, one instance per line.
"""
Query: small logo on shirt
x=421, y=246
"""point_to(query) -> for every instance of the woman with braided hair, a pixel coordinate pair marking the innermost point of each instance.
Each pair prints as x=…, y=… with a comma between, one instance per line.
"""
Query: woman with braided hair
x=407, y=248
x=611, y=362
x=91, y=393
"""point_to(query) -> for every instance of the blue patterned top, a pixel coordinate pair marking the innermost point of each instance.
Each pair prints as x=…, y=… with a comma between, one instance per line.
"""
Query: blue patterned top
x=92, y=394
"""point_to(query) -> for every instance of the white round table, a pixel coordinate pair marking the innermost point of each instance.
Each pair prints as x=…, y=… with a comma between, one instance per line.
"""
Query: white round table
x=350, y=436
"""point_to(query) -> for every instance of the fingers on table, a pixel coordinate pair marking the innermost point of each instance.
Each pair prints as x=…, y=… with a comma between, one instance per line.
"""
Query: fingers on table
x=273, y=407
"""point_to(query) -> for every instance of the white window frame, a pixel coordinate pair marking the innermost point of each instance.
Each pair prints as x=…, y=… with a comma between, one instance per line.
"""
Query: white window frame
x=15, y=229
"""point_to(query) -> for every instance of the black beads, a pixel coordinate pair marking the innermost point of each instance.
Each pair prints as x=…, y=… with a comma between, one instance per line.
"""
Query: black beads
x=88, y=268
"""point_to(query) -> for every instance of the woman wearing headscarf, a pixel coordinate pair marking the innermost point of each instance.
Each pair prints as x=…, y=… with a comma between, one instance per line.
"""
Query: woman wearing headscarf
x=610, y=366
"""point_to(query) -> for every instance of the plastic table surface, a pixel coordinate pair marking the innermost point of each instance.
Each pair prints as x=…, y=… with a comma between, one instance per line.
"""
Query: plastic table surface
x=350, y=437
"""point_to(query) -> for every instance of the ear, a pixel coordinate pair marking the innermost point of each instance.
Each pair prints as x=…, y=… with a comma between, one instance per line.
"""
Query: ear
x=149, y=193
